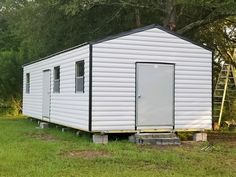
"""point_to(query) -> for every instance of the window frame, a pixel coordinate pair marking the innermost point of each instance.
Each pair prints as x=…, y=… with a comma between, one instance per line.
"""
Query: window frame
x=27, y=83
x=79, y=77
x=56, y=80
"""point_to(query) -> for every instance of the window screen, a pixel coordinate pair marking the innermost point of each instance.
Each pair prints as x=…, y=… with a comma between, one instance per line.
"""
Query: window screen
x=27, y=90
x=79, y=76
x=56, y=87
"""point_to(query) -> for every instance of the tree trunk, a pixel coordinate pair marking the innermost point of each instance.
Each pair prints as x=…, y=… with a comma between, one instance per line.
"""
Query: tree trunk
x=170, y=19
x=137, y=17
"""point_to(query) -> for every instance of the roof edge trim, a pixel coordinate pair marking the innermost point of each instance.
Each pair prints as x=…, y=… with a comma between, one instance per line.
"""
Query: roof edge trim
x=147, y=28
x=54, y=54
x=121, y=35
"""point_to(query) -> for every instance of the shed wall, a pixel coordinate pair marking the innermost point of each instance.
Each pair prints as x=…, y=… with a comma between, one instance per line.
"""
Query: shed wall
x=67, y=107
x=113, y=83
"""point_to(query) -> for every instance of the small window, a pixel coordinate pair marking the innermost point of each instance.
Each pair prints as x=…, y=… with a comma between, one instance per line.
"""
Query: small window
x=27, y=87
x=79, y=76
x=56, y=87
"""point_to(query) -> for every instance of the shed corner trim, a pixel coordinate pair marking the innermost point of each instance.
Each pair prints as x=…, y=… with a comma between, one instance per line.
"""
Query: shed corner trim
x=90, y=86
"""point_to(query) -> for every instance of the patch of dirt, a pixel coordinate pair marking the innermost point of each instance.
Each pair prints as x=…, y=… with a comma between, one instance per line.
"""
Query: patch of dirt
x=156, y=147
x=190, y=144
x=41, y=136
x=85, y=154
x=221, y=136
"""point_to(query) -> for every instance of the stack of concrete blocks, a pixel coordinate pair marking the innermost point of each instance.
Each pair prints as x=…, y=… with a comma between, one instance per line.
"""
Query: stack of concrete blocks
x=100, y=139
x=200, y=136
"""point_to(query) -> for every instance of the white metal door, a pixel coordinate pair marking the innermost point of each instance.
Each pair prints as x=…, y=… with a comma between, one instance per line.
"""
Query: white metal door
x=46, y=94
x=154, y=96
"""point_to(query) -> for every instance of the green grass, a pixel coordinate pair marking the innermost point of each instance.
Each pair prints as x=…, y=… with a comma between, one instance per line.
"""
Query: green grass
x=27, y=152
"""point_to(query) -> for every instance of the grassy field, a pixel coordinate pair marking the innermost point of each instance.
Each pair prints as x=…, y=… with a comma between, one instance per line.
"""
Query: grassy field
x=27, y=151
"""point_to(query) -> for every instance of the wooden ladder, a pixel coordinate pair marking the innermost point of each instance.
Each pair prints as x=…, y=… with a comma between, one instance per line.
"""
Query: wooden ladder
x=225, y=92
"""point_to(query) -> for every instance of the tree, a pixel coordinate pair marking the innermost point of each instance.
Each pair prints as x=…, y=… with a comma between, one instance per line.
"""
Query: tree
x=33, y=29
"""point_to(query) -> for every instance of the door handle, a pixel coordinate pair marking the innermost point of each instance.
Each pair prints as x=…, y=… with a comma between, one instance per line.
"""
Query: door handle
x=139, y=96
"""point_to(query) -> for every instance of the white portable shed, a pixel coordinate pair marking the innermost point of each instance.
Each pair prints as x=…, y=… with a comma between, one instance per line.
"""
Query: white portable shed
x=147, y=79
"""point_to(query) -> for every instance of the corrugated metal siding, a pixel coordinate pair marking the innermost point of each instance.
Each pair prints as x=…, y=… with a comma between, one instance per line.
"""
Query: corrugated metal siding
x=67, y=107
x=113, y=101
